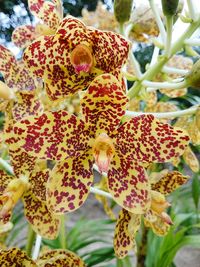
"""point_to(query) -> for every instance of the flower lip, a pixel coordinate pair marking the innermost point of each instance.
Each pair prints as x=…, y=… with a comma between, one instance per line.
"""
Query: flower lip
x=158, y=202
x=11, y=195
x=81, y=58
x=103, y=151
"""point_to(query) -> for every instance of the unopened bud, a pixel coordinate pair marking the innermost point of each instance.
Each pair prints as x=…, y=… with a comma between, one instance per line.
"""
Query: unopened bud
x=122, y=10
x=193, y=77
x=169, y=7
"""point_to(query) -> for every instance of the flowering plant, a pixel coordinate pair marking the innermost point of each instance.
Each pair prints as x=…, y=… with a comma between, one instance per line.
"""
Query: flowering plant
x=78, y=104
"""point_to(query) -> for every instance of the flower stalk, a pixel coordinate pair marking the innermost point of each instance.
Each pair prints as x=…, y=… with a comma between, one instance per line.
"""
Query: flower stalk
x=30, y=240
x=160, y=85
x=62, y=235
x=36, y=250
x=100, y=192
x=151, y=72
x=158, y=20
x=169, y=27
x=6, y=166
x=165, y=115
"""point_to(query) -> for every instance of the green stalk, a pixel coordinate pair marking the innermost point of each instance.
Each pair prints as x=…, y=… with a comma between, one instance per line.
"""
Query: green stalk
x=62, y=235
x=142, y=249
x=30, y=241
x=154, y=69
x=169, y=26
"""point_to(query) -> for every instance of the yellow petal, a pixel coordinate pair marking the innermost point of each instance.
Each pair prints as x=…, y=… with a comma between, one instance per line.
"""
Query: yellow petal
x=124, y=237
x=191, y=159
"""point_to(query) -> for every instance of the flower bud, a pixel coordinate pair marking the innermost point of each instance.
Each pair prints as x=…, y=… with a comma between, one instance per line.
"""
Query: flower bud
x=169, y=7
x=193, y=77
x=122, y=10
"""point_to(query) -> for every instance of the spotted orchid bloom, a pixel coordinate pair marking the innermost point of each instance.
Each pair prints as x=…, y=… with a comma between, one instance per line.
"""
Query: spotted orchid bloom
x=71, y=58
x=29, y=178
x=156, y=218
x=118, y=150
x=49, y=12
x=31, y=188
x=55, y=258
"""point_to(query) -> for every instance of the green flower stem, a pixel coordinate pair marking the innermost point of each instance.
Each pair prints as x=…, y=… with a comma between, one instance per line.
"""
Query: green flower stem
x=124, y=262
x=169, y=26
x=6, y=166
x=136, y=65
x=191, y=9
x=97, y=191
x=129, y=76
x=131, y=55
x=30, y=241
x=142, y=249
x=190, y=51
x=165, y=115
x=158, y=19
x=160, y=85
x=193, y=41
x=36, y=250
x=171, y=70
x=62, y=235
x=154, y=69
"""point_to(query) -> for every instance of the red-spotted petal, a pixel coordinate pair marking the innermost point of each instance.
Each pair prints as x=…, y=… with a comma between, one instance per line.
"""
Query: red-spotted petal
x=170, y=182
x=8, y=66
x=38, y=180
x=69, y=183
x=4, y=180
x=42, y=220
x=46, y=11
x=24, y=35
x=22, y=162
x=124, y=239
x=27, y=104
x=104, y=103
x=110, y=50
x=128, y=184
x=146, y=139
x=58, y=258
x=53, y=135
x=15, y=257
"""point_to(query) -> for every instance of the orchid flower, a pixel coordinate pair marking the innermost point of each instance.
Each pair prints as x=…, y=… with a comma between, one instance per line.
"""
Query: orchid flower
x=56, y=258
x=71, y=58
x=50, y=12
x=156, y=218
x=118, y=150
x=30, y=187
x=29, y=180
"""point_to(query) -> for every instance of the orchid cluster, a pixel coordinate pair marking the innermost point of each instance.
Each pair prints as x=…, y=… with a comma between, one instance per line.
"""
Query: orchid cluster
x=68, y=110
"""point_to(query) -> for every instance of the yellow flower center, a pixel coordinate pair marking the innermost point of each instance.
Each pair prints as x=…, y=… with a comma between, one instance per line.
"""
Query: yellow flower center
x=103, y=151
x=82, y=59
x=12, y=194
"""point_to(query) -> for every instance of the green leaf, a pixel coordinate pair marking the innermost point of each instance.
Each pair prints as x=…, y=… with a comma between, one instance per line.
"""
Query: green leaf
x=196, y=190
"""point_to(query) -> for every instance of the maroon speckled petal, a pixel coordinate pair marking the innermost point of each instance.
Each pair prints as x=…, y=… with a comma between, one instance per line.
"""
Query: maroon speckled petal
x=69, y=183
x=53, y=135
x=146, y=139
x=128, y=184
x=104, y=103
